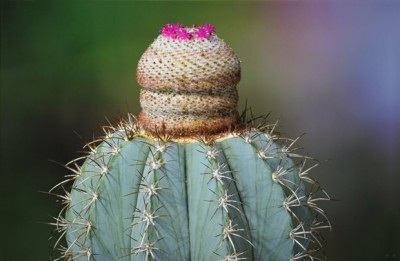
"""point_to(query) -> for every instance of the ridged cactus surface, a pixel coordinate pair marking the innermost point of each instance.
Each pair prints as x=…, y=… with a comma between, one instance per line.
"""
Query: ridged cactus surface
x=190, y=179
x=143, y=199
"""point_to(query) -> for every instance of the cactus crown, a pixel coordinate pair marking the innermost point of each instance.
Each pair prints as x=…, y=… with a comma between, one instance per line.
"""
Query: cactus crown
x=188, y=78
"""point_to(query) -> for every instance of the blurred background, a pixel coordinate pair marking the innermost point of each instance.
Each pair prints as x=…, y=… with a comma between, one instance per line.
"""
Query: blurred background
x=330, y=69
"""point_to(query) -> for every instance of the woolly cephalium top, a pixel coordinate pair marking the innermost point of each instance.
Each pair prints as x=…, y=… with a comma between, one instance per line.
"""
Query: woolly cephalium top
x=188, y=78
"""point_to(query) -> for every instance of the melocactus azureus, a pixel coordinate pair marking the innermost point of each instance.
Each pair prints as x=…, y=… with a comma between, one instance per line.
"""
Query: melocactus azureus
x=190, y=179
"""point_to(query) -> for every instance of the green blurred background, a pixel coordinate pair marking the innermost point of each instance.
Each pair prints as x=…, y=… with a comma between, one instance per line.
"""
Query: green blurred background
x=329, y=69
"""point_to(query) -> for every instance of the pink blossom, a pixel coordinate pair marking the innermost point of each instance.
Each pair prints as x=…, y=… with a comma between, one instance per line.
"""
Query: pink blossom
x=204, y=31
x=170, y=30
x=201, y=33
x=183, y=34
x=178, y=31
x=208, y=28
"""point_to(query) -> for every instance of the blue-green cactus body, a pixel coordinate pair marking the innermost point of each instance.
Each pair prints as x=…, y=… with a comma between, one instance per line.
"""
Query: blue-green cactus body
x=239, y=197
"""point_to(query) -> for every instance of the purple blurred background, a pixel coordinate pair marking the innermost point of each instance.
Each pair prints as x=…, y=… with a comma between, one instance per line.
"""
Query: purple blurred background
x=332, y=70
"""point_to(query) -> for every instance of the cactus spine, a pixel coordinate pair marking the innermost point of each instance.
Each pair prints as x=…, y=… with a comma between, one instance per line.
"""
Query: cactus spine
x=190, y=179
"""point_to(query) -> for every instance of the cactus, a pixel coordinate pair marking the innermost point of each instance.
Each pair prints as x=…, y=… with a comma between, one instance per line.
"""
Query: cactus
x=191, y=179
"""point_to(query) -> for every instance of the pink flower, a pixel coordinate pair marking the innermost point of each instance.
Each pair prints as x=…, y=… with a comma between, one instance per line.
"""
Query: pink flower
x=204, y=31
x=208, y=28
x=178, y=31
x=201, y=33
x=183, y=34
x=170, y=30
